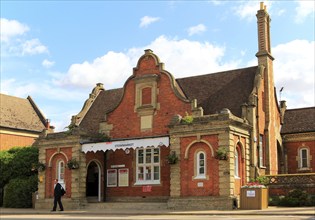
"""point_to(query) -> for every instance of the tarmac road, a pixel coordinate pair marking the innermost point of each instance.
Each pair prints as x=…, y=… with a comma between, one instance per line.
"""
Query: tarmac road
x=55, y=216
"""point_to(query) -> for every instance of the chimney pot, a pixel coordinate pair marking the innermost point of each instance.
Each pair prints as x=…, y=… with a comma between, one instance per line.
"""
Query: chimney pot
x=261, y=5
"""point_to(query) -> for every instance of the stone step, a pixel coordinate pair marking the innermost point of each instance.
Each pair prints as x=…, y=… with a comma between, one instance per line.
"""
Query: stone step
x=126, y=205
x=201, y=203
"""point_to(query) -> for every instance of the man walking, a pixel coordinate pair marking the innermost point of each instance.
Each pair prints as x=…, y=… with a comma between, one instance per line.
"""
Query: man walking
x=58, y=192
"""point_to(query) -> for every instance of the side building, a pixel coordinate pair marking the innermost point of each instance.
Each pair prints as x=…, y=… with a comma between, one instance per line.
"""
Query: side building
x=298, y=134
x=21, y=122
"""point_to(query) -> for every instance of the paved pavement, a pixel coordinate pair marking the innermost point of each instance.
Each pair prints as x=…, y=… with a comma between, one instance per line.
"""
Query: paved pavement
x=298, y=211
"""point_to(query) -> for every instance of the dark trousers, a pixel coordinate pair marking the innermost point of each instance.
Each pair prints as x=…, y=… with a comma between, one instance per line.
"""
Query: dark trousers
x=57, y=199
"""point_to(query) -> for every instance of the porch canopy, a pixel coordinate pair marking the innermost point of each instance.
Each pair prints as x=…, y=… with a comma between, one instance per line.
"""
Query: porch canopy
x=124, y=144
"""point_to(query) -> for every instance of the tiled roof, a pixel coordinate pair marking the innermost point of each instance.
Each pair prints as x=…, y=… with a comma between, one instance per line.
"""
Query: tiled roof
x=19, y=113
x=229, y=89
x=105, y=101
x=299, y=120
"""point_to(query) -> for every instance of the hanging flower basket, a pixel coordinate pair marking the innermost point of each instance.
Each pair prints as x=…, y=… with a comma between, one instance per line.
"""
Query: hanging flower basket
x=72, y=164
x=172, y=158
x=221, y=153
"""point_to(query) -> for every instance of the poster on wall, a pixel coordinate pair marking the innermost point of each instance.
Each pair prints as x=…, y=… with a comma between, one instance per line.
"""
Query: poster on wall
x=111, y=177
x=123, y=177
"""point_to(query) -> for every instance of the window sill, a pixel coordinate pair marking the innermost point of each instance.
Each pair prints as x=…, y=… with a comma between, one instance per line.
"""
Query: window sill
x=140, y=183
x=200, y=177
x=304, y=169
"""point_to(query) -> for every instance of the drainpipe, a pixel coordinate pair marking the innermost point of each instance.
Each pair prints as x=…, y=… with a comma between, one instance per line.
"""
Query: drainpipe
x=105, y=176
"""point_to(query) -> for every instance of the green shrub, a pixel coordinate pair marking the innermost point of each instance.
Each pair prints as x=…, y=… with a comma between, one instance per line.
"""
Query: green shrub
x=274, y=200
x=16, y=163
x=188, y=119
x=289, y=201
x=18, y=192
x=297, y=198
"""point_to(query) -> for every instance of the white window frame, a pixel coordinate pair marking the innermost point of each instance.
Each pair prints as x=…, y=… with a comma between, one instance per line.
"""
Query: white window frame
x=61, y=170
x=145, y=164
x=198, y=166
x=301, y=158
x=236, y=164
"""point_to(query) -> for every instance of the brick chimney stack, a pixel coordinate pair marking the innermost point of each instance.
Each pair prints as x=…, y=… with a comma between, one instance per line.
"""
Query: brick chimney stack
x=263, y=24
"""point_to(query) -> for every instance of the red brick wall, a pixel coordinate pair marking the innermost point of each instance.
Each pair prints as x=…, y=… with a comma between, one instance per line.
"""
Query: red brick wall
x=119, y=157
x=292, y=153
x=51, y=172
x=189, y=185
x=9, y=140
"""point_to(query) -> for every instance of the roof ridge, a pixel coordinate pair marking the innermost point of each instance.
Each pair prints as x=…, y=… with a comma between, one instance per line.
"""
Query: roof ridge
x=303, y=108
x=217, y=72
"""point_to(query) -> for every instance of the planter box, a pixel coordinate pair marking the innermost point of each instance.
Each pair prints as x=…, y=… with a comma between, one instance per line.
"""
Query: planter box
x=254, y=198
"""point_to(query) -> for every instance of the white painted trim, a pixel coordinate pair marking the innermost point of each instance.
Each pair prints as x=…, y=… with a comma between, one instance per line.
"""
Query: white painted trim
x=124, y=144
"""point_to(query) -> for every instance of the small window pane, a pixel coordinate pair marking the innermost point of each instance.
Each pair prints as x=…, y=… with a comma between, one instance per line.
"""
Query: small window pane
x=201, y=170
x=140, y=156
x=156, y=173
x=304, y=158
x=201, y=156
x=156, y=155
x=148, y=156
x=148, y=173
x=140, y=173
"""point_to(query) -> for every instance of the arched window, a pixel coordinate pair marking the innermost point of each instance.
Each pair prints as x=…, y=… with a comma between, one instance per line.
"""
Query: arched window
x=61, y=172
x=303, y=159
x=201, y=165
x=236, y=164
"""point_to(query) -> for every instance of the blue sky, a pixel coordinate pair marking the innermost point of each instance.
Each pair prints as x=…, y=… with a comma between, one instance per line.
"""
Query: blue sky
x=56, y=51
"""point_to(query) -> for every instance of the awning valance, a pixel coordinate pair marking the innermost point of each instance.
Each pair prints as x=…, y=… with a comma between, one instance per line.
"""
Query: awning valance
x=124, y=144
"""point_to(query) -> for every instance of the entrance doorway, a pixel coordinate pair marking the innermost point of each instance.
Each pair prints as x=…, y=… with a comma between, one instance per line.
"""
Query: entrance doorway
x=93, y=182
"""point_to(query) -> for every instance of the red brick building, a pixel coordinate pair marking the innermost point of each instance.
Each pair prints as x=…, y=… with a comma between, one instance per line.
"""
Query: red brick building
x=174, y=140
x=21, y=122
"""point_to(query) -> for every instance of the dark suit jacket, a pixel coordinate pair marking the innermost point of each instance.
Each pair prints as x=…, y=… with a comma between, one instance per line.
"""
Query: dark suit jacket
x=57, y=191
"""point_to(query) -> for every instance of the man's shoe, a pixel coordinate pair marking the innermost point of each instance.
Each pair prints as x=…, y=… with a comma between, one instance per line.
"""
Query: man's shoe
x=61, y=210
x=52, y=210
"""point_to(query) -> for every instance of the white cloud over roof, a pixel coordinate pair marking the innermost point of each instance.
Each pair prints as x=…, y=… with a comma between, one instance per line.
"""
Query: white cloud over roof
x=182, y=58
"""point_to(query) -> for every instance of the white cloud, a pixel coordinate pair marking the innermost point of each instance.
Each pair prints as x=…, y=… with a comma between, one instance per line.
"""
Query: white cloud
x=294, y=70
x=248, y=9
x=33, y=46
x=47, y=64
x=110, y=68
x=11, y=28
x=196, y=29
x=147, y=20
x=183, y=57
x=303, y=10
x=13, y=43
